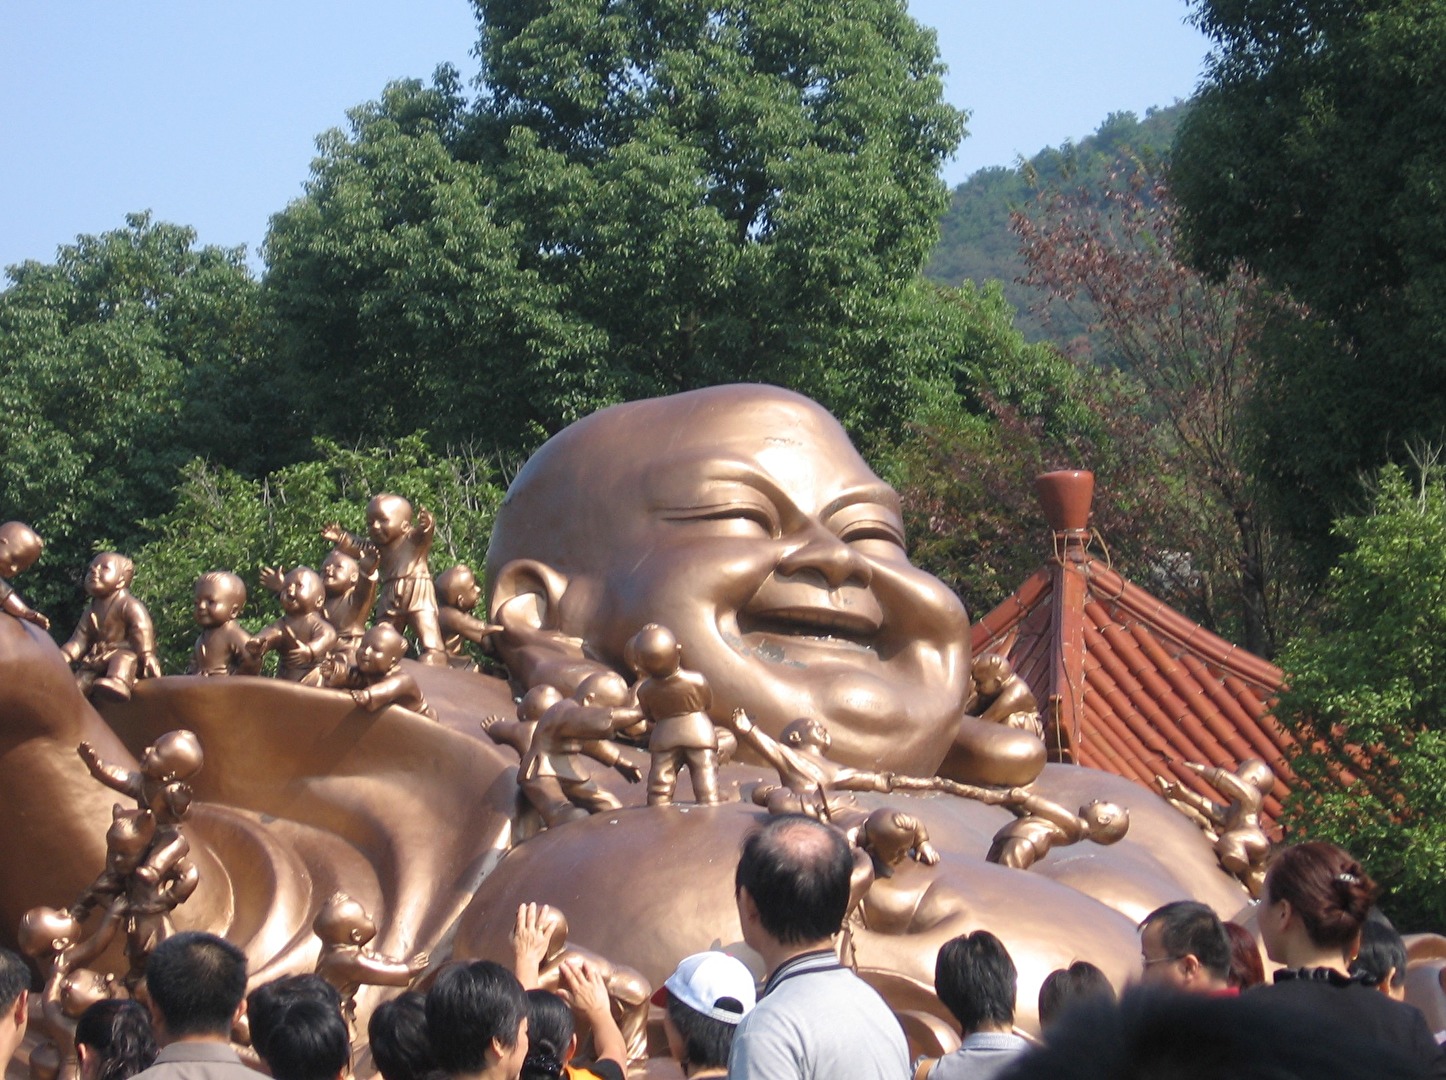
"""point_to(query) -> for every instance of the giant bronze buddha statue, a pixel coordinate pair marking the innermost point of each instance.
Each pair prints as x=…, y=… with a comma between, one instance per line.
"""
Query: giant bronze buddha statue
x=740, y=518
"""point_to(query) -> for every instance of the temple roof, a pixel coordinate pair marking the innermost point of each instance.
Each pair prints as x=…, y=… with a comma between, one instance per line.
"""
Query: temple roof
x=1124, y=682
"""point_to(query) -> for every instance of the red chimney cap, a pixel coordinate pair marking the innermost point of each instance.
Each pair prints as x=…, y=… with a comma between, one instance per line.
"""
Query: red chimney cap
x=1066, y=497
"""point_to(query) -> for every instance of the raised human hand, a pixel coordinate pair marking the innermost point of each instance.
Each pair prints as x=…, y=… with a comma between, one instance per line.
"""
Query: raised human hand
x=584, y=981
x=273, y=578
x=529, y=943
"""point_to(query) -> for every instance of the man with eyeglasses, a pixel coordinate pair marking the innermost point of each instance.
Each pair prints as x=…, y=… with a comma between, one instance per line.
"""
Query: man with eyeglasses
x=1184, y=945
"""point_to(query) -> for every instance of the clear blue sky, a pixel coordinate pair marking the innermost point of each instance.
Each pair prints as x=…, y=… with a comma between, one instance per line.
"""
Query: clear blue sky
x=205, y=113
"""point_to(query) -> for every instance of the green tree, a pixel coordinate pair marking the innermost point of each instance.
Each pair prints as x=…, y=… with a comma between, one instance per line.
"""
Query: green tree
x=644, y=197
x=131, y=353
x=1314, y=153
x=1366, y=697
x=222, y=520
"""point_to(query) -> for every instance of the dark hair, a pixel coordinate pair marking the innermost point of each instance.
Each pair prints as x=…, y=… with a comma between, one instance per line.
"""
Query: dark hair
x=265, y=1006
x=14, y=977
x=550, y=1028
x=706, y=1041
x=975, y=979
x=1246, y=968
x=468, y=1006
x=397, y=1033
x=120, y=1032
x=1065, y=988
x=1326, y=887
x=1190, y=928
x=196, y=981
x=308, y=1042
x=797, y=872
x=1156, y=1034
x=1382, y=949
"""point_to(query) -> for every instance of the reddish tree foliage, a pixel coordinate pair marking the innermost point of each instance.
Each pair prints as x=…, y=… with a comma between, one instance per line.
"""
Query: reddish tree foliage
x=1187, y=342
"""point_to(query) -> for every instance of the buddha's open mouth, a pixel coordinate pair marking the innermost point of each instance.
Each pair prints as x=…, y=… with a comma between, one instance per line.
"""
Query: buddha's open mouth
x=812, y=625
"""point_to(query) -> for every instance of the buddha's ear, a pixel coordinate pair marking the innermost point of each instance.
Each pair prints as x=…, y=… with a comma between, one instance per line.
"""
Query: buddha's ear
x=527, y=595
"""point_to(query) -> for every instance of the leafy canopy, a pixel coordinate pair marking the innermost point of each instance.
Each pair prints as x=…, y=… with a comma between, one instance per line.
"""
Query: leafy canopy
x=1315, y=154
x=1367, y=697
x=643, y=197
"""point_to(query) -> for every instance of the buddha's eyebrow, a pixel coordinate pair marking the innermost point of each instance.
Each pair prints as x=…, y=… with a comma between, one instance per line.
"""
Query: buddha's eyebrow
x=878, y=494
x=666, y=485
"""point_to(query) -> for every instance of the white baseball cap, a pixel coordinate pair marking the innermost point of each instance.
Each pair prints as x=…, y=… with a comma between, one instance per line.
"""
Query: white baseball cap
x=704, y=979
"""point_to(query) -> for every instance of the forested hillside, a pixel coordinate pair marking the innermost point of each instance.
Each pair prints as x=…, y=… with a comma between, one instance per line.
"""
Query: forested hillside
x=975, y=241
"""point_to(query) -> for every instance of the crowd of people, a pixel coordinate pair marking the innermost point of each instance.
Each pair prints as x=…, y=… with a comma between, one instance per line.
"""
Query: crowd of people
x=1201, y=1006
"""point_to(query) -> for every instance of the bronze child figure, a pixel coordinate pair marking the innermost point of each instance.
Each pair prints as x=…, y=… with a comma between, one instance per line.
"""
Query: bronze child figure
x=115, y=642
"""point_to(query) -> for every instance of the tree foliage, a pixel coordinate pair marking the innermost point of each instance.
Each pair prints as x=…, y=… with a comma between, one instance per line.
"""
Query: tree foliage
x=223, y=521
x=130, y=354
x=1367, y=697
x=642, y=198
x=1192, y=345
x=1315, y=153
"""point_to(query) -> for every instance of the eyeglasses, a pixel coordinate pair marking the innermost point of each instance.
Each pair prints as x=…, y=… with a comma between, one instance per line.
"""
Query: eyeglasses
x=1159, y=960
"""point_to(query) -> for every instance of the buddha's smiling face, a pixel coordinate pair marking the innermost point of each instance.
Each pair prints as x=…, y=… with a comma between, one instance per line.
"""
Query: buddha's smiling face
x=744, y=521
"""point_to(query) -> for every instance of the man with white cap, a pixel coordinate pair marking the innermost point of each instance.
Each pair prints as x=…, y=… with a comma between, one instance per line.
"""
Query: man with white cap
x=705, y=998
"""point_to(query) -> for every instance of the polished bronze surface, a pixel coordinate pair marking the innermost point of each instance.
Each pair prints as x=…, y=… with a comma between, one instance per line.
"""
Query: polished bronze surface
x=222, y=646
x=458, y=593
x=1233, y=826
x=1001, y=697
x=115, y=641
x=345, y=929
x=745, y=524
x=376, y=679
x=20, y=546
x=302, y=637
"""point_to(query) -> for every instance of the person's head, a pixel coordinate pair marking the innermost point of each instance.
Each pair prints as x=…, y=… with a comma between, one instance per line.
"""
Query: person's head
x=477, y=1020
x=551, y=1036
x=1381, y=958
x=1106, y=821
x=339, y=572
x=1315, y=895
x=792, y=881
x=302, y=591
x=266, y=1005
x=380, y=649
x=1246, y=967
x=114, y=1040
x=308, y=1041
x=14, y=1003
x=343, y=921
x=1065, y=988
x=108, y=573
x=220, y=596
x=20, y=546
x=774, y=554
x=196, y=982
x=176, y=755
x=389, y=517
x=397, y=1033
x=457, y=587
x=1154, y=1034
x=705, y=998
x=974, y=977
x=1184, y=945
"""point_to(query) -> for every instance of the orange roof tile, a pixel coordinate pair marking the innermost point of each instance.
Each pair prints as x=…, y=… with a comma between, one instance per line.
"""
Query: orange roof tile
x=1126, y=683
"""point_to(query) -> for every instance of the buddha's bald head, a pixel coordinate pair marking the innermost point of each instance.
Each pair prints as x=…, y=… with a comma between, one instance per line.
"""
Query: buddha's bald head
x=743, y=520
